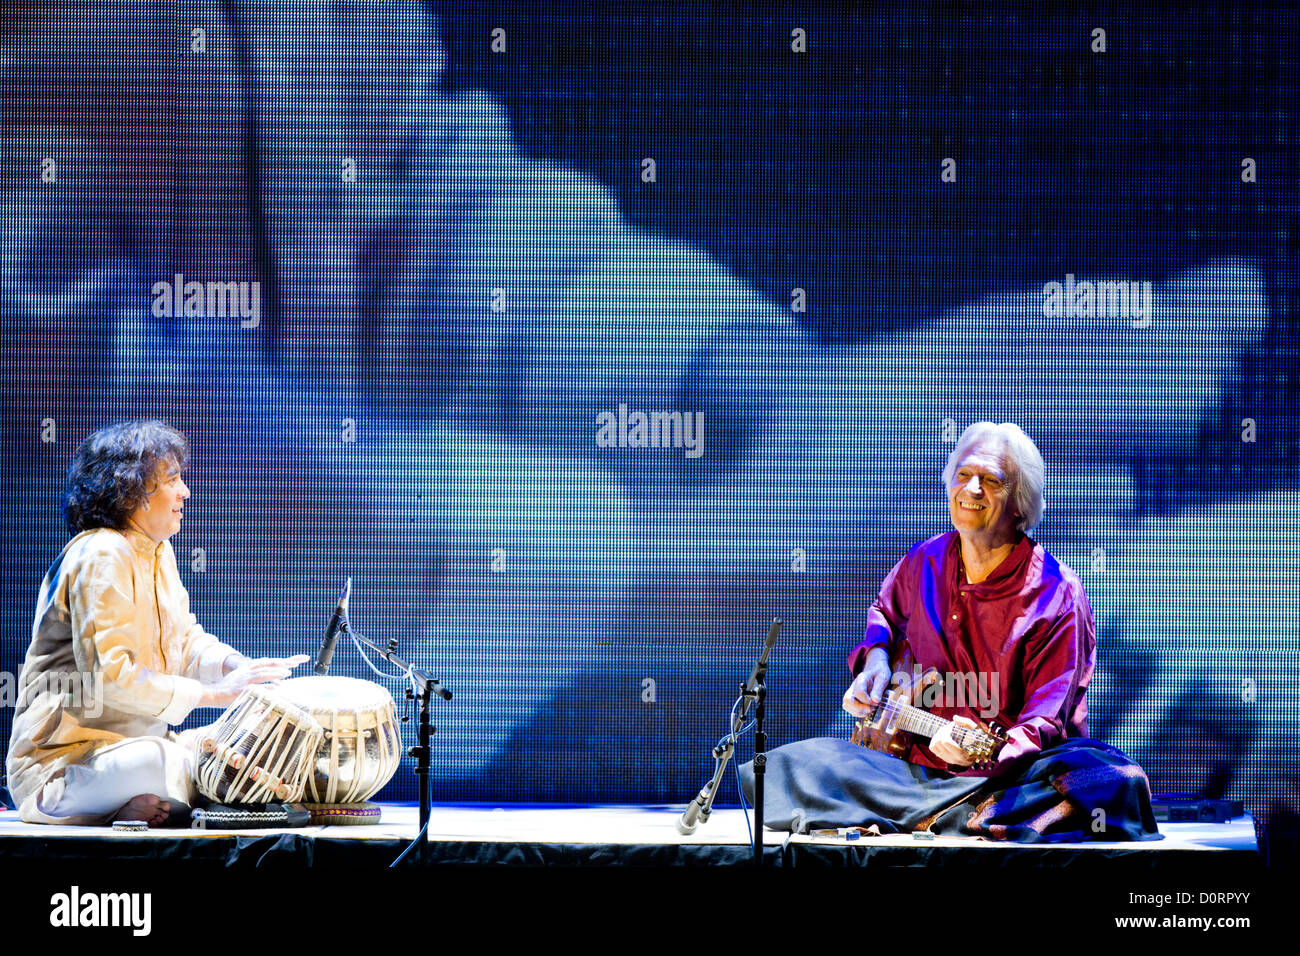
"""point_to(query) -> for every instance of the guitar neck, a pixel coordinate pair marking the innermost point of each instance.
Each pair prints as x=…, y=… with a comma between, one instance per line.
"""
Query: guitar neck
x=918, y=721
x=925, y=724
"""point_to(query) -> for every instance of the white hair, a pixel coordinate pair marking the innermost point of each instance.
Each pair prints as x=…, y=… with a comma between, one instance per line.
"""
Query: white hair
x=1025, y=463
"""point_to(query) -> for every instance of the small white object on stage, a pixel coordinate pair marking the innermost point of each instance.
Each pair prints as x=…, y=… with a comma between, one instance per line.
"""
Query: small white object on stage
x=362, y=745
x=259, y=751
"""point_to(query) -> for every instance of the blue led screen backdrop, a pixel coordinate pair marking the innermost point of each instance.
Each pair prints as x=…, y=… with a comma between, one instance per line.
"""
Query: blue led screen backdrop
x=394, y=268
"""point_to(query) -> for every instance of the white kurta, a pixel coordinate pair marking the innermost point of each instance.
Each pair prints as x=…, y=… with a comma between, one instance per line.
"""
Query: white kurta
x=116, y=656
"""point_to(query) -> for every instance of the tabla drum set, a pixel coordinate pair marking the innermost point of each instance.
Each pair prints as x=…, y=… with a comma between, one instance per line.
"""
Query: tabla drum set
x=331, y=742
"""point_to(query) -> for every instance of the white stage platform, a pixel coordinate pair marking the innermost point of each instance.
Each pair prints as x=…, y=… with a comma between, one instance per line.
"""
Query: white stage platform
x=596, y=835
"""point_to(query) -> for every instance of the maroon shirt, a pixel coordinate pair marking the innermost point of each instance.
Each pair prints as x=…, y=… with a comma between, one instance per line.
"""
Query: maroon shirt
x=1026, y=634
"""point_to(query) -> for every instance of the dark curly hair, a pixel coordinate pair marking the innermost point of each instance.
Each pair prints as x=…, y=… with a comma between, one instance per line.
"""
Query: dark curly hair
x=113, y=472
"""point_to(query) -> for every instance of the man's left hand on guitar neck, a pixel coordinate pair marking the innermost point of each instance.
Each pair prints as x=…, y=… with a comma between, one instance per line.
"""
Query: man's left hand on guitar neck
x=945, y=748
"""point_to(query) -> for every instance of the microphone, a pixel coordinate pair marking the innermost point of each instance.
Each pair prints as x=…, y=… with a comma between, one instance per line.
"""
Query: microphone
x=693, y=815
x=337, y=623
x=757, y=675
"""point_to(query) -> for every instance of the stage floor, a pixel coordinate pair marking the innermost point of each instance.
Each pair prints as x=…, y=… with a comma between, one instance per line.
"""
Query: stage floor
x=598, y=836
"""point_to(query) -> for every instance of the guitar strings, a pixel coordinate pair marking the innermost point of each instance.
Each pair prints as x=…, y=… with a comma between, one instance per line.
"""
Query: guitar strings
x=894, y=708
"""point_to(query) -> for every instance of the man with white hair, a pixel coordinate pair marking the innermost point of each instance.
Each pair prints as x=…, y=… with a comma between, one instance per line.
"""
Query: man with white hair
x=987, y=599
x=1011, y=631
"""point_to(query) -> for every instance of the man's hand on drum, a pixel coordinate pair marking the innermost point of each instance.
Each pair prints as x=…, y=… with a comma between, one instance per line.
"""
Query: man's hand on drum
x=238, y=660
x=261, y=670
x=869, y=686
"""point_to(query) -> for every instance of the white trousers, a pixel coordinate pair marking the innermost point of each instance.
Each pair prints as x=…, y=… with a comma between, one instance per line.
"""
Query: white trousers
x=108, y=780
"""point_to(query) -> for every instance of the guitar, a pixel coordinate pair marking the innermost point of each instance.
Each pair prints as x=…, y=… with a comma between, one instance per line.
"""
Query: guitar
x=891, y=726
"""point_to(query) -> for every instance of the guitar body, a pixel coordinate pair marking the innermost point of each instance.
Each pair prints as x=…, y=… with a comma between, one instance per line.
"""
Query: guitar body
x=880, y=730
x=877, y=733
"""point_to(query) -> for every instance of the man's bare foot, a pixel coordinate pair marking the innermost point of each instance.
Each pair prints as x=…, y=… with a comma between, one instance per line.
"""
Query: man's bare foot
x=146, y=807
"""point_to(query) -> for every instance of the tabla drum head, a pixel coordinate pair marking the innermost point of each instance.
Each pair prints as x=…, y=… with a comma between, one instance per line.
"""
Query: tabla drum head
x=334, y=693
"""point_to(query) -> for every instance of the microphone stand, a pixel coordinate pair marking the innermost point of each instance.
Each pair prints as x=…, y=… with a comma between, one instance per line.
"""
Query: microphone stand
x=752, y=691
x=760, y=759
x=423, y=751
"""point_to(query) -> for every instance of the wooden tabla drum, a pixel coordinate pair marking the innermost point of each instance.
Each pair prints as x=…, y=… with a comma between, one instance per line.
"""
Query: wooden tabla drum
x=259, y=751
x=362, y=747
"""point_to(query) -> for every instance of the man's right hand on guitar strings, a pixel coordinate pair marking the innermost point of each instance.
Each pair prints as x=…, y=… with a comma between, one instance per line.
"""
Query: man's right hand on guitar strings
x=869, y=686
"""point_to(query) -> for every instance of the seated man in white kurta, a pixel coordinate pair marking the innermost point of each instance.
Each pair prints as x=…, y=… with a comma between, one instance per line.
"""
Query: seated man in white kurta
x=116, y=657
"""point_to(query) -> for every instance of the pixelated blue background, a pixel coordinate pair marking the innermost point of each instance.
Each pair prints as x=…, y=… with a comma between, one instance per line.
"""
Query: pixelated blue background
x=521, y=170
